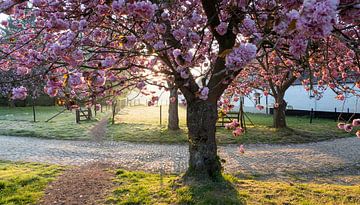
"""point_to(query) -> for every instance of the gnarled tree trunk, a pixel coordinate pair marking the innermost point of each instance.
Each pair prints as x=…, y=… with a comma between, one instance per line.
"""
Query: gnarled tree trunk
x=201, y=120
x=173, y=118
x=279, y=116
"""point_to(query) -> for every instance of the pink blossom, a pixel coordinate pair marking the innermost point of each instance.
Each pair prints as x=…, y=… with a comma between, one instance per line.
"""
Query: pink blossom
x=165, y=16
x=140, y=85
x=99, y=80
x=238, y=131
x=142, y=9
x=298, y=47
x=76, y=80
x=356, y=122
x=97, y=107
x=240, y=56
x=51, y=91
x=159, y=45
x=130, y=41
x=340, y=97
x=317, y=18
x=204, y=93
x=348, y=127
x=108, y=62
x=118, y=6
x=22, y=70
x=176, y=53
x=179, y=34
x=172, y=99
x=242, y=149
x=222, y=28
x=259, y=107
x=341, y=125
x=234, y=124
x=358, y=134
x=19, y=93
x=248, y=27
x=82, y=24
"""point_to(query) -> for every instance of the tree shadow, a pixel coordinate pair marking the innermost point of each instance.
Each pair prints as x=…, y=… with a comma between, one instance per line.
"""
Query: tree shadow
x=219, y=192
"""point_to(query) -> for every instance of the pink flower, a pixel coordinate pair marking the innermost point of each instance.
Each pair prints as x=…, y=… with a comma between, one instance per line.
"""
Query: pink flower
x=51, y=91
x=242, y=149
x=222, y=28
x=22, y=70
x=172, y=99
x=356, y=122
x=358, y=134
x=340, y=97
x=179, y=34
x=298, y=47
x=238, y=131
x=184, y=74
x=140, y=85
x=204, y=93
x=240, y=56
x=276, y=105
x=259, y=107
x=232, y=125
x=176, y=53
x=19, y=93
x=97, y=107
x=108, y=62
x=76, y=80
x=118, y=6
x=341, y=125
x=348, y=127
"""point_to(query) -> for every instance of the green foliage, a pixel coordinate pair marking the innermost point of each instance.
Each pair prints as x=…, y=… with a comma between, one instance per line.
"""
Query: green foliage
x=24, y=183
x=145, y=188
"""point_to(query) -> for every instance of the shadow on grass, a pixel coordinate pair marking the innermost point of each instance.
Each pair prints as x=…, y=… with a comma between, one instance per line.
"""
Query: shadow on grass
x=135, y=187
x=222, y=191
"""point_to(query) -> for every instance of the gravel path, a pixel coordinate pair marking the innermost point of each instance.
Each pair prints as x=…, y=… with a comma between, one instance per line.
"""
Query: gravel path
x=258, y=159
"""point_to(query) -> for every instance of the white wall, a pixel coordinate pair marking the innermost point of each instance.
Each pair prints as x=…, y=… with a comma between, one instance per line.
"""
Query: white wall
x=299, y=99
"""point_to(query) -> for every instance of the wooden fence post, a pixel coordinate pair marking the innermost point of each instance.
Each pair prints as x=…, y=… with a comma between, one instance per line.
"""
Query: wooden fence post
x=77, y=114
x=160, y=115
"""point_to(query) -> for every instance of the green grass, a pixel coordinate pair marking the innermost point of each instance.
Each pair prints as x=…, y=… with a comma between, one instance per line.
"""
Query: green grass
x=18, y=121
x=145, y=188
x=24, y=183
x=142, y=124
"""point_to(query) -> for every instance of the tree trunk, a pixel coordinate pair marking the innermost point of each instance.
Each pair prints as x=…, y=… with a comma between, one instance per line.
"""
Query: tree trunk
x=173, y=118
x=279, y=120
x=204, y=162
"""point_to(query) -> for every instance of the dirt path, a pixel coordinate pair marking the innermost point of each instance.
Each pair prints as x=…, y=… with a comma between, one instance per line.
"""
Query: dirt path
x=98, y=132
x=85, y=185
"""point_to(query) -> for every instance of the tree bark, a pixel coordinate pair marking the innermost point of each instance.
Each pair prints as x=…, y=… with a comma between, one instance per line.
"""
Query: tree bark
x=279, y=117
x=173, y=117
x=201, y=120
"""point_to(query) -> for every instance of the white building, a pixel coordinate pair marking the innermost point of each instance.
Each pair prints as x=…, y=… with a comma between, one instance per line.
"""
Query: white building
x=298, y=99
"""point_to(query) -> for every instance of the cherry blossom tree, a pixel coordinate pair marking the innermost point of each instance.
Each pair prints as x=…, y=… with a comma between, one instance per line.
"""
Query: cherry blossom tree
x=91, y=48
x=314, y=61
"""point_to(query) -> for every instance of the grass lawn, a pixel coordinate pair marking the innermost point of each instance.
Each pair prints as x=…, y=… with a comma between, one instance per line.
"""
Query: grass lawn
x=24, y=183
x=142, y=124
x=19, y=122
x=144, y=188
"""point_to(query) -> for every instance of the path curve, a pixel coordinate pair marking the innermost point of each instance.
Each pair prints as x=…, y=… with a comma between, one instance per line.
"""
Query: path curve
x=259, y=159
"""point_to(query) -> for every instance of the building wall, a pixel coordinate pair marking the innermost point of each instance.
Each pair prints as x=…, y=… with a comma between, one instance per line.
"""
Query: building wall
x=297, y=98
